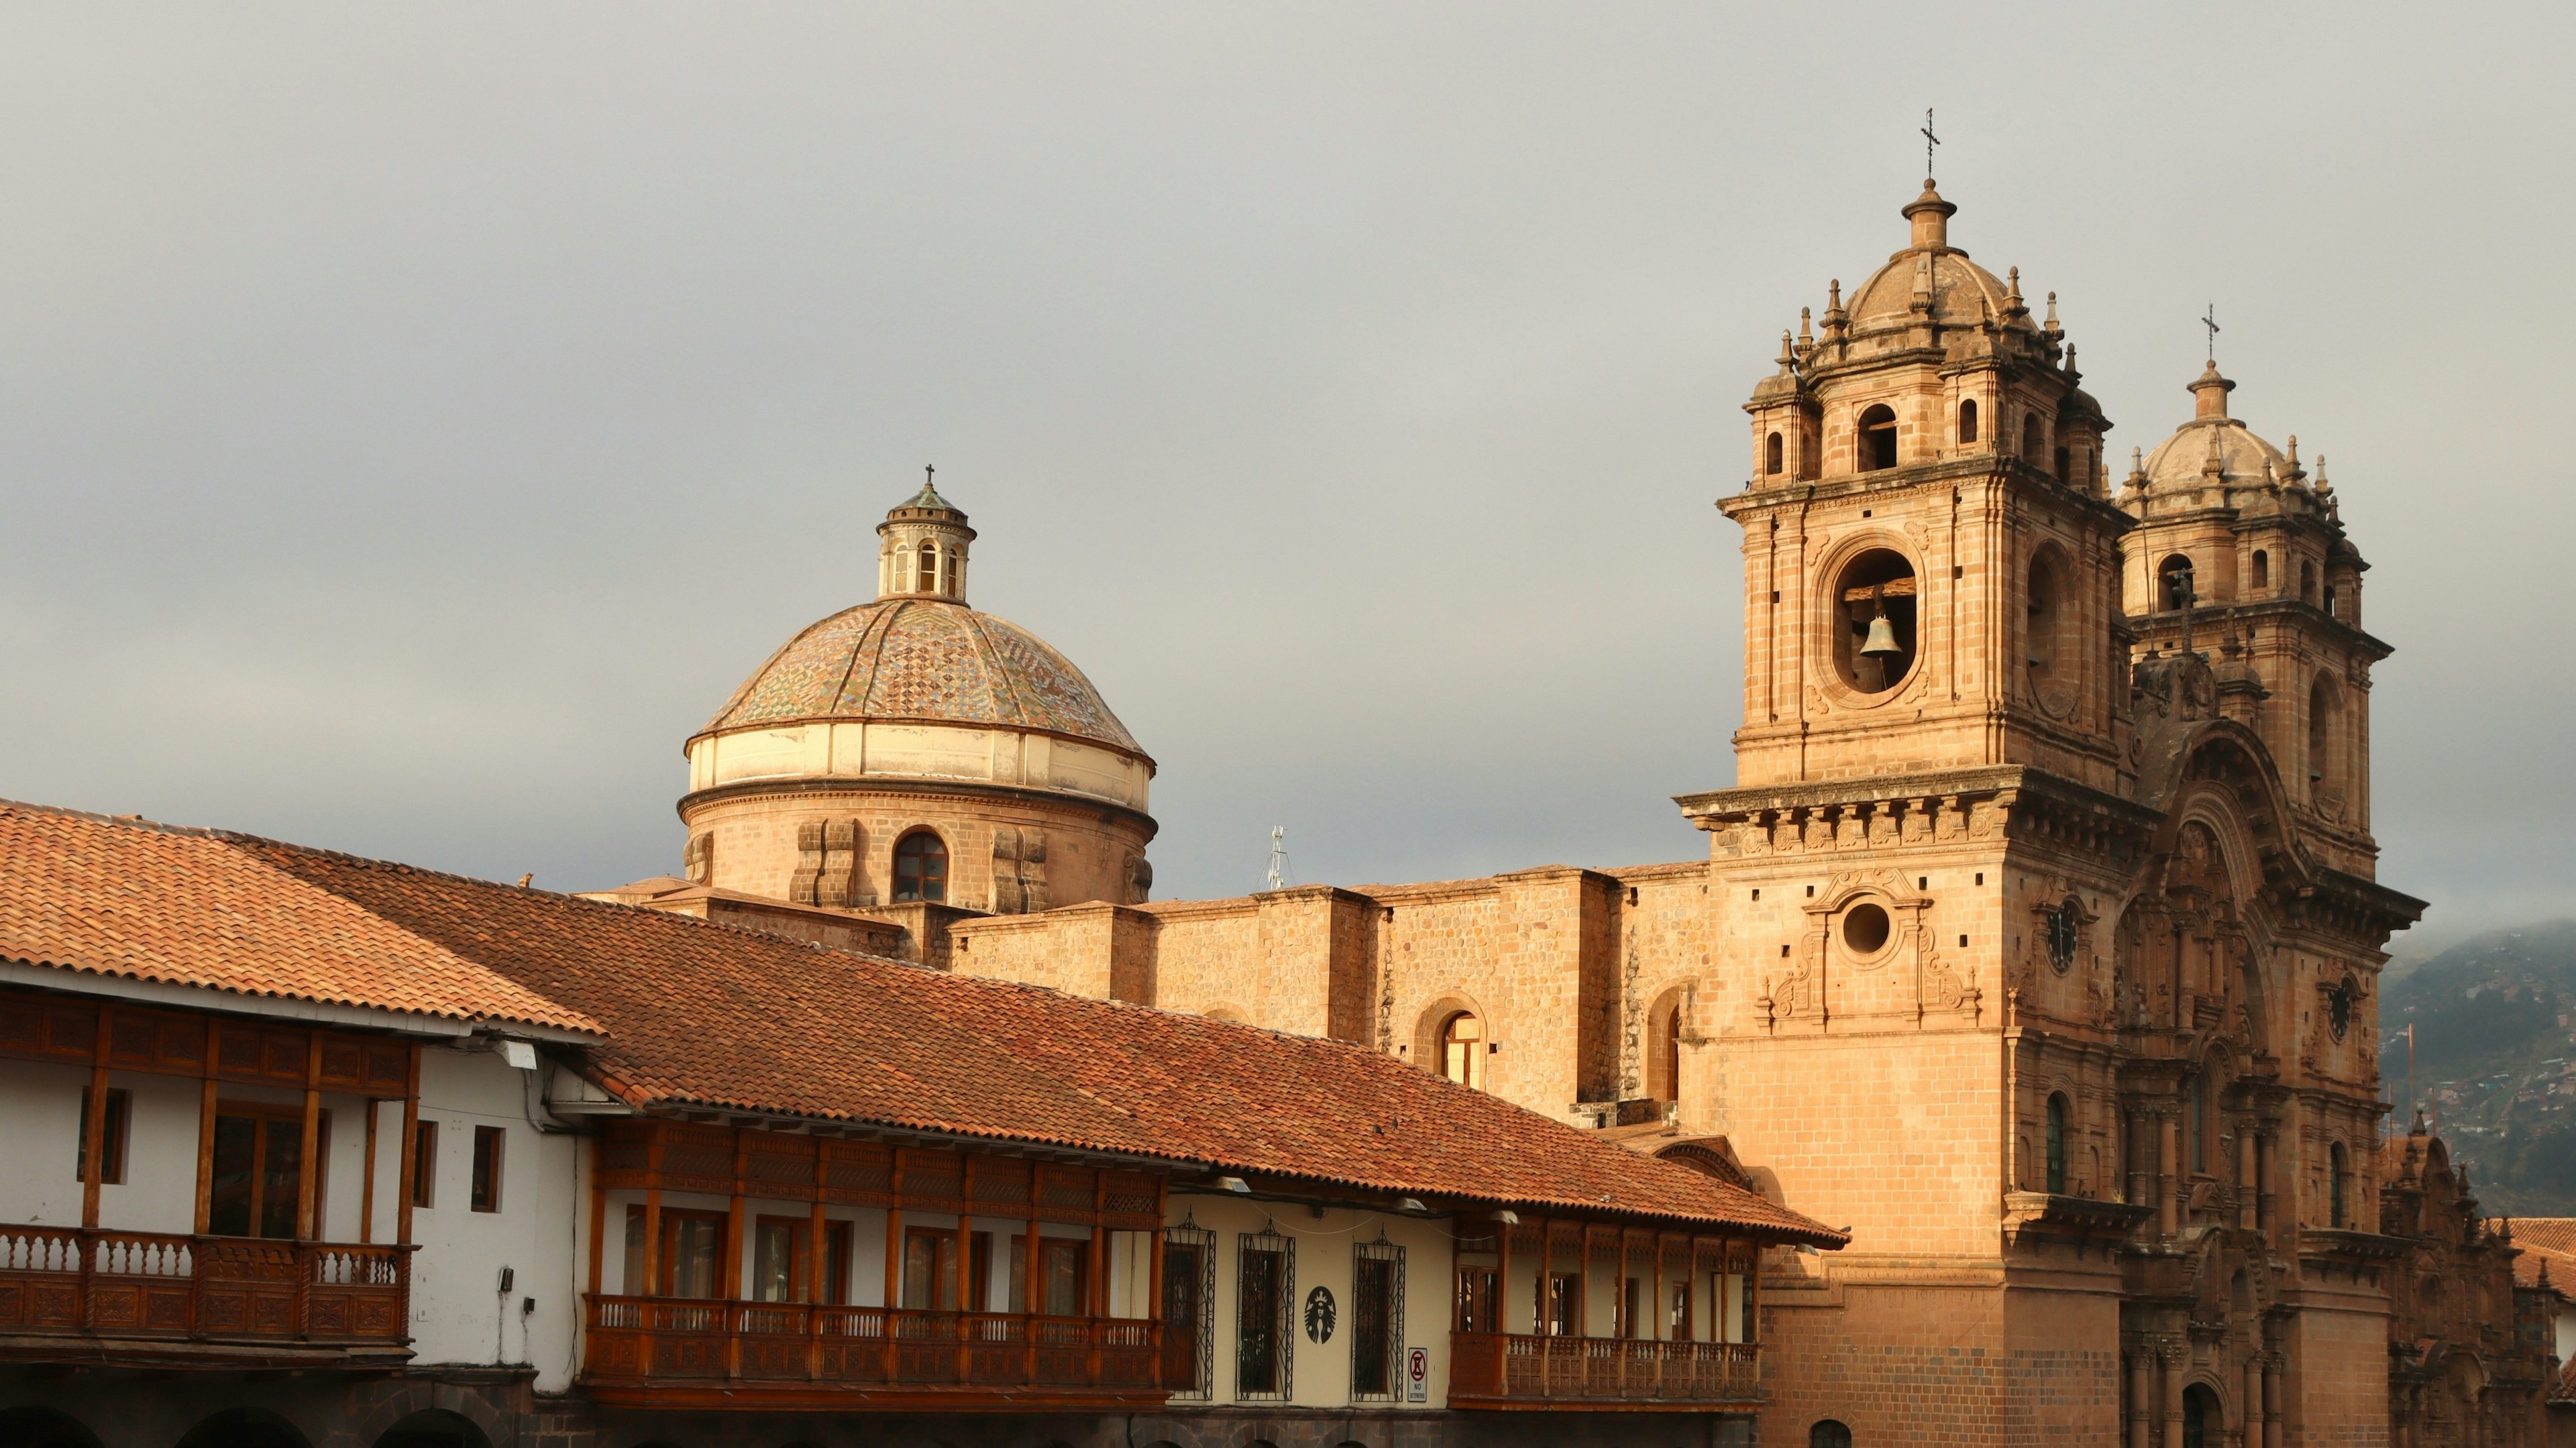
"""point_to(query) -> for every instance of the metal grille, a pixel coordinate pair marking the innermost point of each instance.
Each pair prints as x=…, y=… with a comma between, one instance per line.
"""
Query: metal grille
x=1377, y=1321
x=1265, y=1312
x=1189, y=1311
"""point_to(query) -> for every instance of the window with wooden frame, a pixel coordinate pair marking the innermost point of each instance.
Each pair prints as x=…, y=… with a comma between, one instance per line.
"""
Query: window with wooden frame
x=693, y=1248
x=1677, y=1313
x=1462, y=1050
x=1564, y=1304
x=1265, y=1315
x=1479, y=1294
x=1631, y=1296
x=920, y=868
x=782, y=1259
x=1064, y=1271
x=1377, y=1320
x=258, y=1169
x=424, y=1164
x=1189, y=1310
x=490, y=1149
x=1732, y=1300
x=930, y=1278
x=111, y=1139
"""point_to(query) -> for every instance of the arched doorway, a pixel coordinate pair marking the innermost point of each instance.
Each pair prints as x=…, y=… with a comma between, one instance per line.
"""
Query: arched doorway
x=1828, y=1433
x=433, y=1428
x=244, y=1428
x=2200, y=1414
x=44, y=1428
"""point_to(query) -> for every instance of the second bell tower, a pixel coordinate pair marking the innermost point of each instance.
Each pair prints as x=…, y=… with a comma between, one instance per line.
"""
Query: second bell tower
x=1932, y=567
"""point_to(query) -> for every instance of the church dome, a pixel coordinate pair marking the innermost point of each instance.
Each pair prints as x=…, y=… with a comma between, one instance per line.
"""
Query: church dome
x=2214, y=438
x=1962, y=292
x=924, y=660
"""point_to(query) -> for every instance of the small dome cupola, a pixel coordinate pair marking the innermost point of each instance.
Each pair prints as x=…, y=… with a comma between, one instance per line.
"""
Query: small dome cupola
x=1931, y=217
x=2209, y=394
x=923, y=552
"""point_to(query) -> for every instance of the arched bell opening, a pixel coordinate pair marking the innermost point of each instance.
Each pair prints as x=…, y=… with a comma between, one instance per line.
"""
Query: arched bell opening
x=1874, y=615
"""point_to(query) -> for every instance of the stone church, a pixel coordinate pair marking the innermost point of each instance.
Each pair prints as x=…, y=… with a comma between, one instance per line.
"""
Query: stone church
x=2038, y=940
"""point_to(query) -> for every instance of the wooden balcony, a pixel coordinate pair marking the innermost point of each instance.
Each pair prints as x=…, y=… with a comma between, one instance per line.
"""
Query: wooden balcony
x=684, y=1352
x=145, y=1297
x=1514, y=1370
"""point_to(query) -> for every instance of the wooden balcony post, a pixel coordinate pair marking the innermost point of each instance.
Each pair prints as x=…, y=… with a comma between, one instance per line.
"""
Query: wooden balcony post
x=206, y=1141
x=734, y=1246
x=1031, y=1290
x=893, y=1261
x=816, y=1245
x=367, y=1186
x=407, y=1184
x=308, y=1212
x=94, y=1134
x=1096, y=1287
x=968, y=1289
x=653, y=1147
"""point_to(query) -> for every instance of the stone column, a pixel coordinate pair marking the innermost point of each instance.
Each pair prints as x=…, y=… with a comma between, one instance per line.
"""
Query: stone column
x=2247, y=1188
x=2267, y=1164
x=2168, y=1179
x=2176, y=1356
x=2253, y=1414
x=2142, y=1409
x=2272, y=1400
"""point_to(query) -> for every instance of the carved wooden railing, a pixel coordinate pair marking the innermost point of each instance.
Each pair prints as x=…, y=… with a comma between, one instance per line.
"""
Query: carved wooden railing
x=65, y=1280
x=1488, y=1369
x=641, y=1340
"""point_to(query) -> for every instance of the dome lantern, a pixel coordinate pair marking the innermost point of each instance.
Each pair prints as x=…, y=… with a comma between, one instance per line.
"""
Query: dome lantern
x=923, y=549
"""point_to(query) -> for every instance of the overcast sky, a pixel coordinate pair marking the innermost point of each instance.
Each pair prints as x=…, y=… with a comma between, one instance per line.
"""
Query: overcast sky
x=415, y=421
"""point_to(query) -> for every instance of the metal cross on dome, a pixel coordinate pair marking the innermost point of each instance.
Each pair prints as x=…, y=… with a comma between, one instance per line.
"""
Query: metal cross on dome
x=2211, y=322
x=1929, y=140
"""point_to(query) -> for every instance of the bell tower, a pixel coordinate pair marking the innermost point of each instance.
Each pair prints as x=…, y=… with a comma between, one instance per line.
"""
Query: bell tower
x=1931, y=558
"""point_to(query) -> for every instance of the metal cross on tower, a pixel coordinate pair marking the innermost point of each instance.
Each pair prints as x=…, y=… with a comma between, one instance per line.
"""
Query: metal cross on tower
x=2211, y=322
x=1279, y=876
x=1929, y=141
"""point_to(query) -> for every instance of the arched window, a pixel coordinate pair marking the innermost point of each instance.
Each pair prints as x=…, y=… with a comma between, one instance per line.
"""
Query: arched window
x=2173, y=583
x=921, y=868
x=1462, y=1050
x=2065, y=465
x=2262, y=569
x=1773, y=456
x=2057, y=1144
x=1664, y=1055
x=1968, y=421
x=2046, y=626
x=1829, y=1434
x=2324, y=704
x=1878, y=584
x=903, y=570
x=930, y=568
x=1878, y=438
x=2337, y=1168
x=2308, y=582
x=2031, y=440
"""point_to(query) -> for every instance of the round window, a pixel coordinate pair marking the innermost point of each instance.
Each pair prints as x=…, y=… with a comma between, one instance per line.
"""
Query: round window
x=1864, y=929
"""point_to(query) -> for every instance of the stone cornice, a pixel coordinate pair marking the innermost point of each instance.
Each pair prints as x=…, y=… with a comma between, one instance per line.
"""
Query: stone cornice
x=1056, y=801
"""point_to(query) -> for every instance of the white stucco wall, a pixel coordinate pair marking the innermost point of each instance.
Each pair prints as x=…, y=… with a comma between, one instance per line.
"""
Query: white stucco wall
x=458, y=1313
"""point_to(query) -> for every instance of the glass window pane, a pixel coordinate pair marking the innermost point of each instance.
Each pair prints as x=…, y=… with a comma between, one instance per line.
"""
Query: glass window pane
x=281, y=1162
x=236, y=1159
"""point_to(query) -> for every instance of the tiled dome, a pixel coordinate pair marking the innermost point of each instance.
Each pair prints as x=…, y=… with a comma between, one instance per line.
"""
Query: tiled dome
x=919, y=659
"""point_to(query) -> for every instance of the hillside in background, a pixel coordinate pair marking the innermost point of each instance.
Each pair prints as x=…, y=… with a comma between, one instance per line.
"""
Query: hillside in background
x=2495, y=1062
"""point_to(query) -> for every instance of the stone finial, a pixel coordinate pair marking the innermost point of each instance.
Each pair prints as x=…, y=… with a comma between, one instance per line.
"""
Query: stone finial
x=2051, y=326
x=1834, y=295
x=2137, y=467
x=2209, y=394
x=1788, y=353
x=1806, y=333
x=2014, y=307
x=2294, y=472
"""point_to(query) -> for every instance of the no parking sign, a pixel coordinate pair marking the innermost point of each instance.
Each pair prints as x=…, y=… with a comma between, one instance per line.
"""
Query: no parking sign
x=1417, y=1374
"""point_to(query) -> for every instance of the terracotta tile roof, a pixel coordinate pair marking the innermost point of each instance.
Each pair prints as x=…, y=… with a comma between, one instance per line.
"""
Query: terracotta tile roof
x=174, y=906
x=2531, y=1262
x=2558, y=1234
x=712, y=1016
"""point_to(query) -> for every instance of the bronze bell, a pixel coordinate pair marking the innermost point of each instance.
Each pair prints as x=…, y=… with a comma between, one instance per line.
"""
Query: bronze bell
x=1882, y=637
